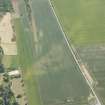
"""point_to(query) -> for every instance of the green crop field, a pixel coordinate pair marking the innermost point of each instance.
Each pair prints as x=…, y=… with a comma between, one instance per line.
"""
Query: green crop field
x=83, y=20
x=50, y=73
x=84, y=23
x=26, y=61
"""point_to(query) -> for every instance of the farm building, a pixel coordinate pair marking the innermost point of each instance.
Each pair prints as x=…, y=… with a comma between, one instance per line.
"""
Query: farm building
x=15, y=73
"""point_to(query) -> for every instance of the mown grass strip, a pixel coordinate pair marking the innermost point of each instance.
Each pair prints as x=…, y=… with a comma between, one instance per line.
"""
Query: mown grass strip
x=26, y=60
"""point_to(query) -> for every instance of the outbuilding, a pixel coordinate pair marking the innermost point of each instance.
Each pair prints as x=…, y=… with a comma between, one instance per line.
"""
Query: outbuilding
x=15, y=73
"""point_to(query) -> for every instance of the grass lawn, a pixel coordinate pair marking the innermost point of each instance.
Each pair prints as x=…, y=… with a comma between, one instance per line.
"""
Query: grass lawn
x=10, y=61
x=26, y=61
x=83, y=20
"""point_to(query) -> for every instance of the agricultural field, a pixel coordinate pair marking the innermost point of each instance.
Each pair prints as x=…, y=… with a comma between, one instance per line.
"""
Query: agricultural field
x=26, y=60
x=50, y=72
x=83, y=20
x=84, y=24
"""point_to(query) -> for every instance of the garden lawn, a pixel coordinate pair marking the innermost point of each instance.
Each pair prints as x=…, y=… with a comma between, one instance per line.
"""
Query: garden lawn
x=26, y=61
